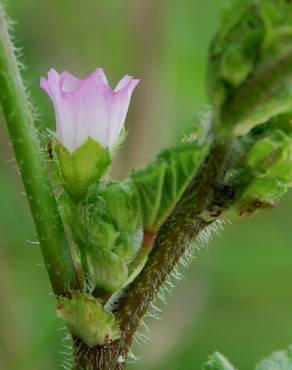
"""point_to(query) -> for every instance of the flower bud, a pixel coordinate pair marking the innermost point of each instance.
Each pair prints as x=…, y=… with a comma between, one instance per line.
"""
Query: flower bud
x=86, y=318
x=108, y=270
x=250, y=67
x=123, y=205
x=272, y=156
x=112, y=218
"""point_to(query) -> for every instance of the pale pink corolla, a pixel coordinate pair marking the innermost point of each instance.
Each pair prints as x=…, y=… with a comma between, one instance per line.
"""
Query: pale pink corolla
x=89, y=107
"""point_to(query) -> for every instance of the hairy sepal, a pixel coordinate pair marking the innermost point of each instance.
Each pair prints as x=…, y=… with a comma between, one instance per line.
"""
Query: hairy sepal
x=83, y=167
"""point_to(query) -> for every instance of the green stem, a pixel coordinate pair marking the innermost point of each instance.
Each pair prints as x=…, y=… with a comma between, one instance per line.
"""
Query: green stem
x=28, y=153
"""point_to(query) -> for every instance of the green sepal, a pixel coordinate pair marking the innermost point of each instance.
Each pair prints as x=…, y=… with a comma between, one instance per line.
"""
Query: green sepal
x=261, y=193
x=108, y=271
x=123, y=205
x=67, y=208
x=161, y=184
x=86, y=318
x=94, y=223
x=128, y=245
x=102, y=233
x=110, y=217
x=83, y=167
x=271, y=158
x=217, y=362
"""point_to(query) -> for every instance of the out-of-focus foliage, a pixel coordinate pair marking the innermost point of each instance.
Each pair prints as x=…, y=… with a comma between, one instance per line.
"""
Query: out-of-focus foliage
x=237, y=294
x=217, y=362
x=281, y=360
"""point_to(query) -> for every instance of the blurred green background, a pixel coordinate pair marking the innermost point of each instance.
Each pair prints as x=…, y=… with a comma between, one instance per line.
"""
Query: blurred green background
x=236, y=297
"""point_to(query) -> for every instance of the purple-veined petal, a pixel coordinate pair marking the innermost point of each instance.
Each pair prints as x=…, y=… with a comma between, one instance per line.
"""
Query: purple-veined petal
x=89, y=107
x=123, y=83
x=69, y=82
x=120, y=106
x=99, y=73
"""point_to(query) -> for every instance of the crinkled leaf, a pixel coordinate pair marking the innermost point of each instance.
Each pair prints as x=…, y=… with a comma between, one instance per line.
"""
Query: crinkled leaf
x=149, y=183
x=161, y=184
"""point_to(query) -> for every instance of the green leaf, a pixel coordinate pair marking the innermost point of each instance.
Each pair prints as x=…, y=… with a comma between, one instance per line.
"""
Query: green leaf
x=217, y=362
x=149, y=183
x=161, y=184
x=281, y=360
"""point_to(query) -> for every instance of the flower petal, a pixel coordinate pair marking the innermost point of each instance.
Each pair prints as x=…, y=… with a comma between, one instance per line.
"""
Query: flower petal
x=123, y=83
x=119, y=109
x=69, y=82
x=99, y=73
x=88, y=107
x=52, y=84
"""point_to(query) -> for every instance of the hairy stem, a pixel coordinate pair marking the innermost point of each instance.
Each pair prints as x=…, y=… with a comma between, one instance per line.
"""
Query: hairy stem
x=28, y=153
x=172, y=242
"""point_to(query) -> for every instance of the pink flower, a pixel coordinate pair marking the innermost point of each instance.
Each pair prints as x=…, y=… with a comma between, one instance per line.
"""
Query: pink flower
x=89, y=107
